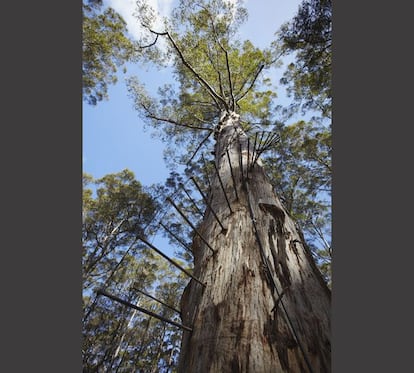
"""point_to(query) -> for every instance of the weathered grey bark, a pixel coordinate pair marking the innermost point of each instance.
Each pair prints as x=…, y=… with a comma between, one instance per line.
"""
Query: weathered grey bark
x=265, y=307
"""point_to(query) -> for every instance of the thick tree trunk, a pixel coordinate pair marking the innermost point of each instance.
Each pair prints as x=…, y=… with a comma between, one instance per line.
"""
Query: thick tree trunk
x=265, y=306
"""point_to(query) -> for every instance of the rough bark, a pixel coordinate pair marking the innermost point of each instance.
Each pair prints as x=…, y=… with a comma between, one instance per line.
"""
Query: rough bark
x=265, y=306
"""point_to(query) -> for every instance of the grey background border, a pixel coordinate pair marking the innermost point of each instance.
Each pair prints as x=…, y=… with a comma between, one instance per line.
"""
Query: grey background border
x=41, y=187
x=372, y=189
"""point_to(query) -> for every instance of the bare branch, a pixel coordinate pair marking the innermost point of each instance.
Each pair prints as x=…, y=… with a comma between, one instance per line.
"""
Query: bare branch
x=200, y=119
x=259, y=70
x=200, y=103
x=150, y=45
x=169, y=120
x=243, y=84
x=220, y=82
x=321, y=237
x=199, y=147
x=233, y=101
x=178, y=123
x=276, y=58
x=321, y=161
x=227, y=61
x=216, y=97
x=218, y=73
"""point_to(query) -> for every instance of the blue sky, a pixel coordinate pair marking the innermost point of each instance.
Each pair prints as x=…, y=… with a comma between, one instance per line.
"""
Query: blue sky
x=113, y=135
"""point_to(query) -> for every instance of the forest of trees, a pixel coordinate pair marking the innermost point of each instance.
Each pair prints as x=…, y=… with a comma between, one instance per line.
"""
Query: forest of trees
x=248, y=211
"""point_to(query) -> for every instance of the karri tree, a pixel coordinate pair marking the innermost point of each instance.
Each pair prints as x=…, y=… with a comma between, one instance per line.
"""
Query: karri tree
x=261, y=304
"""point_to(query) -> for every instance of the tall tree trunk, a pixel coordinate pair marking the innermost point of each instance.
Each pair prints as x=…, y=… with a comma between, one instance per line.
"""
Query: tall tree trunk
x=265, y=306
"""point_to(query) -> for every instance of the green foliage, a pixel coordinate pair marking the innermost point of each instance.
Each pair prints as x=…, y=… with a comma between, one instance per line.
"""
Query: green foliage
x=214, y=72
x=117, y=337
x=111, y=221
x=300, y=167
x=309, y=35
x=116, y=210
x=180, y=189
x=105, y=48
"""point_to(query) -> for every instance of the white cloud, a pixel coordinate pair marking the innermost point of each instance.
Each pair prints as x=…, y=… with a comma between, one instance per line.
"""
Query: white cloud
x=127, y=8
x=162, y=8
x=234, y=3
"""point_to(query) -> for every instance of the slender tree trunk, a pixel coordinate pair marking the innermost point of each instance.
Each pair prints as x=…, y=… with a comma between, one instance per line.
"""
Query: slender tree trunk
x=126, y=330
x=159, y=348
x=265, y=307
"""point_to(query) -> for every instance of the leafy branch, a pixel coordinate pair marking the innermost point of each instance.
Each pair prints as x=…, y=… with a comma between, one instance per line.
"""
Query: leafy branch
x=211, y=91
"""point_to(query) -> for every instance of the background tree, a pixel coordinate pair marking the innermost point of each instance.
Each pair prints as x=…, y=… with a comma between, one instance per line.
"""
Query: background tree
x=106, y=48
x=309, y=36
x=300, y=167
x=116, y=211
x=112, y=220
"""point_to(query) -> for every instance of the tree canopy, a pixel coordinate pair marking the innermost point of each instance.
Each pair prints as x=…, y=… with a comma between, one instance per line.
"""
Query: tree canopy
x=106, y=47
x=116, y=211
x=214, y=72
x=309, y=35
x=120, y=211
x=300, y=167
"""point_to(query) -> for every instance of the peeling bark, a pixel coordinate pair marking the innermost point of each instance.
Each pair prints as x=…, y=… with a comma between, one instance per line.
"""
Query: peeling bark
x=265, y=307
